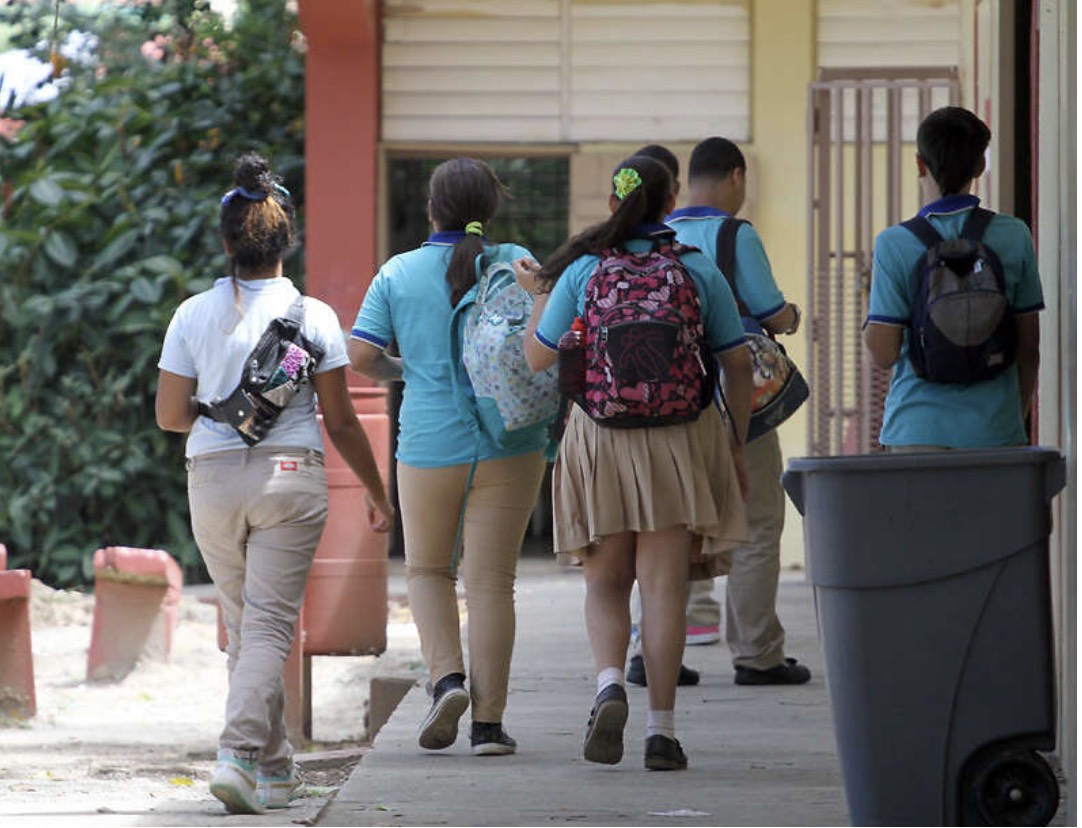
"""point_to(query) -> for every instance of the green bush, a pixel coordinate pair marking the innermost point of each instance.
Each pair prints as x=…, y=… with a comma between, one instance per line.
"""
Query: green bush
x=110, y=222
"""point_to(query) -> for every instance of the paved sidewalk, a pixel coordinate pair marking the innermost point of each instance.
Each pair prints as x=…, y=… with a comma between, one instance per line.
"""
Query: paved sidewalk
x=757, y=755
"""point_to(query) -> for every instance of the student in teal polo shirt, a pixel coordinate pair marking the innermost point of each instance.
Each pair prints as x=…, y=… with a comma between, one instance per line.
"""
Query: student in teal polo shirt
x=654, y=504
x=717, y=175
x=411, y=301
x=921, y=415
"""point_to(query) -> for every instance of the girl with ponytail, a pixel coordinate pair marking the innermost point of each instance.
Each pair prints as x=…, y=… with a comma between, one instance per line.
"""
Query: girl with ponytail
x=258, y=510
x=649, y=503
x=410, y=302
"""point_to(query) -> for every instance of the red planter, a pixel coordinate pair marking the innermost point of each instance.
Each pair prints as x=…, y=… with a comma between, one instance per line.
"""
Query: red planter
x=345, y=607
x=17, y=696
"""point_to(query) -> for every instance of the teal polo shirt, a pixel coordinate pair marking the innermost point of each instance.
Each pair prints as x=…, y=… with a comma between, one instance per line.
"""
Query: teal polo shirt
x=916, y=412
x=720, y=317
x=754, y=279
x=409, y=301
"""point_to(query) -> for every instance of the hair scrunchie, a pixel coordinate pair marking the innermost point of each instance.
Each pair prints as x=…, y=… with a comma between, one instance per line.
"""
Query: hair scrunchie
x=625, y=182
x=253, y=195
x=475, y=228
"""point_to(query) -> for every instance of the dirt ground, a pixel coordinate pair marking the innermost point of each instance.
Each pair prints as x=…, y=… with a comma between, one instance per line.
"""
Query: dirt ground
x=151, y=738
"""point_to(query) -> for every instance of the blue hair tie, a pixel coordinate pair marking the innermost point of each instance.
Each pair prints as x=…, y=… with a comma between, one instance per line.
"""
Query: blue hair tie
x=252, y=195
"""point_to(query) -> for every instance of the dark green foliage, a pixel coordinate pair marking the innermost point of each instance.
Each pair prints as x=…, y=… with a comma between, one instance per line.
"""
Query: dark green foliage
x=111, y=221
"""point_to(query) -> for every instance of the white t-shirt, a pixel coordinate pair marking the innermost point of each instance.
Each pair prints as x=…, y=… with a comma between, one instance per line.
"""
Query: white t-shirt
x=208, y=341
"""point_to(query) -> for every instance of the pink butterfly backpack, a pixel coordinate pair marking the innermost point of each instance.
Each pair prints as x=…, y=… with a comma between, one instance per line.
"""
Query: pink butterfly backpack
x=646, y=351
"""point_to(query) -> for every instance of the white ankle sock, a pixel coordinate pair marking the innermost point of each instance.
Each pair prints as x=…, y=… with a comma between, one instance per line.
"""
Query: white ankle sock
x=661, y=723
x=610, y=675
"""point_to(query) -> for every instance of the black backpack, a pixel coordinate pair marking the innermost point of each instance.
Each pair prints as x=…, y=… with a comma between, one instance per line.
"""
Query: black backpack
x=961, y=330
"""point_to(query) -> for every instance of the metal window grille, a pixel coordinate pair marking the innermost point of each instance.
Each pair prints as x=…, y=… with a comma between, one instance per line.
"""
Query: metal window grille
x=535, y=215
x=862, y=126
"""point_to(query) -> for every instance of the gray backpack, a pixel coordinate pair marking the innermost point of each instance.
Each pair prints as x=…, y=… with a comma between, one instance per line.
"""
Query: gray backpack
x=961, y=329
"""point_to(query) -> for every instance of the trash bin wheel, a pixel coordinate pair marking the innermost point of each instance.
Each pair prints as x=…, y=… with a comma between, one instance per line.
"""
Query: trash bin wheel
x=1009, y=786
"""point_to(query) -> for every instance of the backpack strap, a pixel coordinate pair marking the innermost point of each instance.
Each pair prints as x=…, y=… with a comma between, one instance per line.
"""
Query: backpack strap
x=920, y=227
x=725, y=257
x=462, y=397
x=294, y=313
x=296, y=310
x=977, y=223
x=461, y=394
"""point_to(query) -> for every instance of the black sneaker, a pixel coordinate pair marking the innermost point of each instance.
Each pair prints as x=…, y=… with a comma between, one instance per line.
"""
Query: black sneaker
x=636, y=674
x=490, y=739
x=788, y=672
x=449, y=701
x=604, y=740
x=663, y=753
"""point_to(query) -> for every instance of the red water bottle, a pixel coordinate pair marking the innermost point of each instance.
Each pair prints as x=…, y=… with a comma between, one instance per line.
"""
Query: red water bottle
x=572, y=359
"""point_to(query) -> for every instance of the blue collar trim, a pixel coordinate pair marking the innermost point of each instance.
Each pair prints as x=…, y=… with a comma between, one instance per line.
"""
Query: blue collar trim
x=949, y=204
x=698, y=212
x=447, y=237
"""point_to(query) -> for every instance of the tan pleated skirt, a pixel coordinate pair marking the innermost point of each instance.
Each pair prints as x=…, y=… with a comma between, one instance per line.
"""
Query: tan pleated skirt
x=610, y=480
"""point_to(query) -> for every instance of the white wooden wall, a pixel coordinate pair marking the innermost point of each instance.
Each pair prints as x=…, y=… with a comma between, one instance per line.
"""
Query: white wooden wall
x=890, y=33
x=865, y=35
x=565, y=70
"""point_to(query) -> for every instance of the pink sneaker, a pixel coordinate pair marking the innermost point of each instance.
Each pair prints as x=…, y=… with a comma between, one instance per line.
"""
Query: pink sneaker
x=710, y=634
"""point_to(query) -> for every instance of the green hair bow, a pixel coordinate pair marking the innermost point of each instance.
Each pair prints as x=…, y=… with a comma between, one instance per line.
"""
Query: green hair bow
x=626, y=181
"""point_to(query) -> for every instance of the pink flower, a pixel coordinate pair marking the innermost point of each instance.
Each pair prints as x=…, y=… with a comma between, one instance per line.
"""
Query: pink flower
x=294, y=360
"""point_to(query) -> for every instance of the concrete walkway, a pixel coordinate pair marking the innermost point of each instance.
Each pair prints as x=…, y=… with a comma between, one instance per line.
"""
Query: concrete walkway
x=757, y=755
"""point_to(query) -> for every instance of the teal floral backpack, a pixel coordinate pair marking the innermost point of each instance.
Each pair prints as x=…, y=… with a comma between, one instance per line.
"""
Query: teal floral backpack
x=510, y=402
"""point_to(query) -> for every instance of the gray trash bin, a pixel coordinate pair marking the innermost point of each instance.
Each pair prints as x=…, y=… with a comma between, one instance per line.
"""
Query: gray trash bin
x=931, y=583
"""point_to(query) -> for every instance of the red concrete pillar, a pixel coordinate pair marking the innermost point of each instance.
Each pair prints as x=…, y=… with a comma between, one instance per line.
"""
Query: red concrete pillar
x=342, y=113
x=346, y=603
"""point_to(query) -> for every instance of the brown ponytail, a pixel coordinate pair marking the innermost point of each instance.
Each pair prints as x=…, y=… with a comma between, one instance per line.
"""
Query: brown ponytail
x=645, y=203
x=257, y=217
x=462, y=193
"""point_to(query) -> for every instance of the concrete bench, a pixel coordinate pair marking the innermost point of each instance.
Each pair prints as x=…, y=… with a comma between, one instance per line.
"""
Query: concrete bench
x=17, y=696
x=136, y=593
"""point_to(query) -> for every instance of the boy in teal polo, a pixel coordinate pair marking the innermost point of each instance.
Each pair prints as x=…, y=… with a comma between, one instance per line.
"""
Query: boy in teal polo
x=756, y=639
x=920, y=415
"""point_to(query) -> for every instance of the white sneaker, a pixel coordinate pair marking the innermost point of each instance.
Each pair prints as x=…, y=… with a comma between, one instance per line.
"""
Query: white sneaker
x=276, y=791
x=234, y=784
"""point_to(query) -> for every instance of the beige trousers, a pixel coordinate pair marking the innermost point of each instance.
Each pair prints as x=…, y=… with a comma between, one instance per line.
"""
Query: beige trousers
x=501, y=498
x=257, y=516
x=753, y=632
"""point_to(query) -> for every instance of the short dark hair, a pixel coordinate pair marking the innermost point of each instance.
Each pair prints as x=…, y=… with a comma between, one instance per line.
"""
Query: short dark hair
x=952, y=141
x=715, y=158
x=665, y=156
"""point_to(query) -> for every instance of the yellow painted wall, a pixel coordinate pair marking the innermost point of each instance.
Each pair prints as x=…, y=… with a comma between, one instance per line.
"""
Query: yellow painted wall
x=783, y=64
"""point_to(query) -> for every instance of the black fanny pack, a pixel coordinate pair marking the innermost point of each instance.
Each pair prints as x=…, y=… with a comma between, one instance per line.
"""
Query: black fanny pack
x=279, y=365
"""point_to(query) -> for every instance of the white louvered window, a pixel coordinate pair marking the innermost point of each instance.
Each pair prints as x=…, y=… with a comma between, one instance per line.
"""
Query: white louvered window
x=889, y=33
x=565, y=70
x=862, y=36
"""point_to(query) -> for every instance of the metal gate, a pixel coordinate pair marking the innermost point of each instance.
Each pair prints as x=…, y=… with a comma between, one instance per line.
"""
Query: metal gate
x=862, y=127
